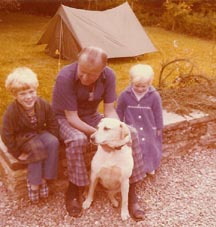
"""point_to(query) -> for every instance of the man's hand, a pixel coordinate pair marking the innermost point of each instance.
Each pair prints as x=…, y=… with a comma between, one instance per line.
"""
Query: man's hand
x=76, y=122
x=23, y=157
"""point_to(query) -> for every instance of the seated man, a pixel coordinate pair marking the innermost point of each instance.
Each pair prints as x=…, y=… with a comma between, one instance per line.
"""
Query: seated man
x=78, y=90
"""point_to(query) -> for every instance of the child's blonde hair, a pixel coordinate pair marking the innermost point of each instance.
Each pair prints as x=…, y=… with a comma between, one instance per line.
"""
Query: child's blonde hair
x=141, y=72
x=20, y=79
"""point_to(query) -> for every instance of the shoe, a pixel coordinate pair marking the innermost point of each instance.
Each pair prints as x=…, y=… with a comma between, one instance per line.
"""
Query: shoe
x=33, y=194
x=133, y=207
x=73, y=207
x=152, y=172
x=136, y=212
x=72, y=200
x=44, y=190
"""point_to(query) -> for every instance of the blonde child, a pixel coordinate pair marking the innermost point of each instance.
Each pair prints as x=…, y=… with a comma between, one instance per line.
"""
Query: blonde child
x=139, y=105
x=30, y=132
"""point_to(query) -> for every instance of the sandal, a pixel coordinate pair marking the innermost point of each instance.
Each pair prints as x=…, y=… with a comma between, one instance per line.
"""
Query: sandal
x=136, y=212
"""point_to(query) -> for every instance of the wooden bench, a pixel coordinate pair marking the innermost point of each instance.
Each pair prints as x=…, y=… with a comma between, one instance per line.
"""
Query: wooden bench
x=14, y=173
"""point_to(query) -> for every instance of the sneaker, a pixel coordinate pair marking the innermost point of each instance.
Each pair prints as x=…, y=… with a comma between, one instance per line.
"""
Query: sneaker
x=33, y=194
x=44, y=190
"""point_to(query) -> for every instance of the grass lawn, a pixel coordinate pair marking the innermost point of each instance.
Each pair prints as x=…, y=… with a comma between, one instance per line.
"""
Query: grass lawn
x=20, y=33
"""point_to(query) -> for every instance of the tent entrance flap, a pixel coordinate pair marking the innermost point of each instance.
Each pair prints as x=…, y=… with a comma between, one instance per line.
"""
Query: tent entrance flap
x=61, y=43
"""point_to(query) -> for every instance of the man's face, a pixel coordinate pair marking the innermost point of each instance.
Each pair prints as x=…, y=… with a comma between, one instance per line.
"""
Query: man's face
x=88, y=73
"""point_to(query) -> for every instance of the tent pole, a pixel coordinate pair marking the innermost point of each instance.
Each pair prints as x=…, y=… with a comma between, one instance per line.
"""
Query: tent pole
x=60, y=45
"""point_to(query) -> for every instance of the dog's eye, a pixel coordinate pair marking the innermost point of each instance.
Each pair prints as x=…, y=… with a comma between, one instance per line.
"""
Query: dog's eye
x=106, y=128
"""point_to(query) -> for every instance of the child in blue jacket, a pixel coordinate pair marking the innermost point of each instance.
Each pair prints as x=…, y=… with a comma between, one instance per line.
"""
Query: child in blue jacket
x=140, y=106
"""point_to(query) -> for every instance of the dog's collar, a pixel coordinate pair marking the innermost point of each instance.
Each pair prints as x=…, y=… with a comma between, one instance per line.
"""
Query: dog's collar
x=119, y=147
x=108, y=148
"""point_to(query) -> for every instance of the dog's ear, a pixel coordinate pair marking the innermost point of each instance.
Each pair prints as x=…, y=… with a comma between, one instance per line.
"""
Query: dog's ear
x=124, y=131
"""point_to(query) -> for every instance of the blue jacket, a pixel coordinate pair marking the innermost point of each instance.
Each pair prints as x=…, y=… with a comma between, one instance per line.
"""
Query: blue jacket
x=146, y=116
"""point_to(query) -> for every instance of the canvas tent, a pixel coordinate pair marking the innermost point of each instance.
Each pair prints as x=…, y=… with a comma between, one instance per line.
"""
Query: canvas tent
x=116, y=30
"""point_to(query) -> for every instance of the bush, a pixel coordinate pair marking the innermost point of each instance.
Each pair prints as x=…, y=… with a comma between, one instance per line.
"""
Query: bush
x=197, y=25
x=49, y=7
x=9, y=5
x=182, y=17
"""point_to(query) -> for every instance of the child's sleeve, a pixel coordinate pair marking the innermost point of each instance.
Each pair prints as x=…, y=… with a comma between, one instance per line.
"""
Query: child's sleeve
x=120, y=108
x=157, y=111
x=51, y=121
x=8, y=134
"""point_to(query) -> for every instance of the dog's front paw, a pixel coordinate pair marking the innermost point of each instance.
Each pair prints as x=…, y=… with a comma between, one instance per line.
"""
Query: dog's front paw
x=86, y=204
x=124, y=215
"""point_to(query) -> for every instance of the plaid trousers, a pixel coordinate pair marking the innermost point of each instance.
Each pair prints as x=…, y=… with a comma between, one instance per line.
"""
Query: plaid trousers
x=76, y=151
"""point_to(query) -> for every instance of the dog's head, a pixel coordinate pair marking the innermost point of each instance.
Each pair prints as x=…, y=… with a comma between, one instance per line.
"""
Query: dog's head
x=111, y=132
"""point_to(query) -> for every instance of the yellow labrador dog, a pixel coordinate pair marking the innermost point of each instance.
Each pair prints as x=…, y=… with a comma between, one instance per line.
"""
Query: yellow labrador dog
x=112, y=163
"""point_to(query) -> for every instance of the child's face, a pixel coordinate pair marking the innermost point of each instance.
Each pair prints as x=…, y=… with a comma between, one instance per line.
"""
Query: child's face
x=27, y=98
x=141, y=86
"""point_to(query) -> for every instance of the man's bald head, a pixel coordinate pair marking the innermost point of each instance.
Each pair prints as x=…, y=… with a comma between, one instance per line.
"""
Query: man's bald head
x=93, y=55
x=91, y=63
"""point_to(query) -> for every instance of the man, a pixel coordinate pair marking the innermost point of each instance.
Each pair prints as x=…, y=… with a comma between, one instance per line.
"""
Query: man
x=78, y=90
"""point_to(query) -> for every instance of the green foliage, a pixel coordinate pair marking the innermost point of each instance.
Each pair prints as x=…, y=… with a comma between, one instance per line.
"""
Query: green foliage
x=9, y=5
x=174, y=14
x=49, y=7
x=199, y=25
x=190, y=17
